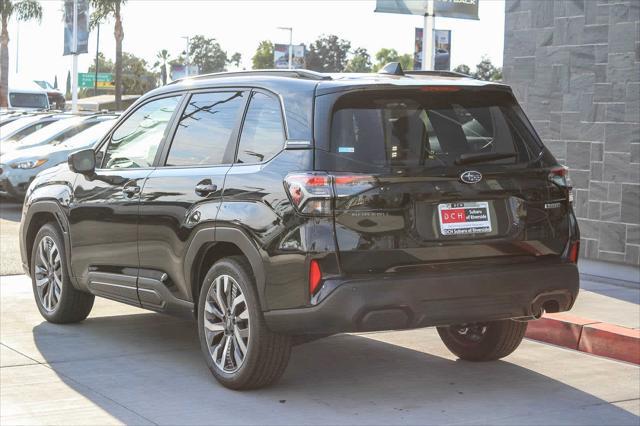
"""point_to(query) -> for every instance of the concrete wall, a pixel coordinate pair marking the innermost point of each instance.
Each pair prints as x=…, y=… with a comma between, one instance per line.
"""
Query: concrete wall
x=575, y=67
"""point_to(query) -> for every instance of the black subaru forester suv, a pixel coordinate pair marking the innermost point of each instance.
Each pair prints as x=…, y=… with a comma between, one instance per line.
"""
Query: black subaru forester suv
x=282, y=206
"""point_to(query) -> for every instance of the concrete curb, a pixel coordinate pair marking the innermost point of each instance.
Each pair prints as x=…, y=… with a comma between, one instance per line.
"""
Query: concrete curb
x=597, y=338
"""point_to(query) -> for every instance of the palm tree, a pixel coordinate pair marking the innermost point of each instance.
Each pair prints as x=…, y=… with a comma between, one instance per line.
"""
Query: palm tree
x=102, y=10
x=24, y=10
x=162, y=62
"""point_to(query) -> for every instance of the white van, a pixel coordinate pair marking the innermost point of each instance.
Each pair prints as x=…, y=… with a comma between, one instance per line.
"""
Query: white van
x=31, y=99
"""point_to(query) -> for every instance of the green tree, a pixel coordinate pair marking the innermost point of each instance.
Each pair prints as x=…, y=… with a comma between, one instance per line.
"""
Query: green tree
x=235, y=59
x=360, y=61
x=137, y=79
x=24, y=10
x=161, y=64
x=463, y=69
x=263, y=58
x=209, y=56
x=485, y=70
x=103, y=10
x=384, y=56
x=328, y=54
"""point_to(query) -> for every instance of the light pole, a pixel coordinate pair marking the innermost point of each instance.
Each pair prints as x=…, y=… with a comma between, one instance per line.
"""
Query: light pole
x=186, y=57
x=427, y=37
x=290, y=29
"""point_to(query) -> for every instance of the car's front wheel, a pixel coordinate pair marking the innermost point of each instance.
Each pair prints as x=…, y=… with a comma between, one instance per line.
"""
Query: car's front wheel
x=486, y=341
x=57, y=300
x=240, y=351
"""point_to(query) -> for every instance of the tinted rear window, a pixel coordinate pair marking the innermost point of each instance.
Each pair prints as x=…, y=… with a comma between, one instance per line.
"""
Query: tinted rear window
x=29, y=100
x=419, y=129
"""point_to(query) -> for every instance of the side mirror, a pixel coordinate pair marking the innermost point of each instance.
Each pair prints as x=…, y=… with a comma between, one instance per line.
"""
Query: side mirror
x=83, y=162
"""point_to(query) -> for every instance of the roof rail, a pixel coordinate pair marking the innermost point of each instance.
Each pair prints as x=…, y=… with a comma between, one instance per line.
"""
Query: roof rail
x=440, y=73
x=293, y=73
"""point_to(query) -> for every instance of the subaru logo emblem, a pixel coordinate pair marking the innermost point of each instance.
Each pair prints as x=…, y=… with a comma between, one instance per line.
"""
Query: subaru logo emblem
x=471, y=176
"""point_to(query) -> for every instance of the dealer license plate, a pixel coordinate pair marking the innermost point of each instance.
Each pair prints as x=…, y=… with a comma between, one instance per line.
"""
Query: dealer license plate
x=469, y=218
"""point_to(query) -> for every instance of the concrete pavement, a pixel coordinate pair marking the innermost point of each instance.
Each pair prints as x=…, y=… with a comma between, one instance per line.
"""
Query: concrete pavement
x=9, y=246
x=124, y=365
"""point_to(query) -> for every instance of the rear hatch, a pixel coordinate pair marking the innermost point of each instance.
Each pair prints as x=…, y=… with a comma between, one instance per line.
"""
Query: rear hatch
x=435, y=177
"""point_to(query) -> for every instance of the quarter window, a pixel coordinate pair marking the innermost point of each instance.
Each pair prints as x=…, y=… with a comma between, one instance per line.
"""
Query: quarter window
x=135, y=142
x=205, y=129
x=262, y=132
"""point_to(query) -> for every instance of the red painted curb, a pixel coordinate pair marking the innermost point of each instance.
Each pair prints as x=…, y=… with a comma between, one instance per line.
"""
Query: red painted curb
x=611, y=341
x=597, y=338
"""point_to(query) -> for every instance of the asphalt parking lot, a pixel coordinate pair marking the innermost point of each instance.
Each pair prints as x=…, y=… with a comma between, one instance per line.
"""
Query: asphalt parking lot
x=126, y=365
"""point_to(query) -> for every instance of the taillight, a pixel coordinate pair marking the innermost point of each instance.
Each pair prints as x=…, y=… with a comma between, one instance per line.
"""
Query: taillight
x=314, y=193
x=315, y=276
x=574, y=252
x=560, y=176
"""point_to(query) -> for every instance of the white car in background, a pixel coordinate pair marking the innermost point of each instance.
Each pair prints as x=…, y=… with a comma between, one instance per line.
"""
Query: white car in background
x=30, y=98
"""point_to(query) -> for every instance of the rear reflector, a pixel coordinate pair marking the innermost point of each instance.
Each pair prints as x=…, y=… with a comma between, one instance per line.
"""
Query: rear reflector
x=315, y=276
x=574, y=252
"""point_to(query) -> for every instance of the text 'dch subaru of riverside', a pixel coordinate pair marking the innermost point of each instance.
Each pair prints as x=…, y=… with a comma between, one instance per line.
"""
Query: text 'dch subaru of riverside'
x=276, y=207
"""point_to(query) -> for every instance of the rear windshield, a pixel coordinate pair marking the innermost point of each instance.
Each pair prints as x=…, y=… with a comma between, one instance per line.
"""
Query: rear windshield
x=421, y=129
x=29, y=100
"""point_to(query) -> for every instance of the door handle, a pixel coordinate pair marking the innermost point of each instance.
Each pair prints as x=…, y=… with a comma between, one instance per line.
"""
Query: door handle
x=130, y=191
x=205, y=188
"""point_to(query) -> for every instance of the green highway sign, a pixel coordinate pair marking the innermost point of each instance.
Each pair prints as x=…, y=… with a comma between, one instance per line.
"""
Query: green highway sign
x=86, y=80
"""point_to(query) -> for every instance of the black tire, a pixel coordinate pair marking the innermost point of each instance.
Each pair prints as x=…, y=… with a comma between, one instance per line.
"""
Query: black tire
x=489, y=341
x=267, y=353
x=72, y=305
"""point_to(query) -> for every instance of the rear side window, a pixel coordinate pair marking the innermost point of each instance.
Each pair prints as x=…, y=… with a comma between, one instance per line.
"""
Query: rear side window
x=263, y=131
x=421, y=130
x=205, y=129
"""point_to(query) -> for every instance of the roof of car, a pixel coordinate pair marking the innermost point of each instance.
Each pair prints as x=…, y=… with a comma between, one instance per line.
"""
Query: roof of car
x=325, y=82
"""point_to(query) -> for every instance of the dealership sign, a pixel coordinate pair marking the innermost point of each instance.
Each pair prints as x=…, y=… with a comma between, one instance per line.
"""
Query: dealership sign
x=460, y=9
x=83, y=27
x=441, y=50
x=281, y=56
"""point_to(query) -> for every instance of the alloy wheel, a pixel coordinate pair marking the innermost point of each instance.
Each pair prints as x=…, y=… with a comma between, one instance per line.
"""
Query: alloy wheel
x=48, y=273
x=226, y=324
x=470, y=333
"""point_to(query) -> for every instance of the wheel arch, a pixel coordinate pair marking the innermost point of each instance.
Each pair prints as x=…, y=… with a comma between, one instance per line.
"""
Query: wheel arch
x=211, y=244
x=39, y=214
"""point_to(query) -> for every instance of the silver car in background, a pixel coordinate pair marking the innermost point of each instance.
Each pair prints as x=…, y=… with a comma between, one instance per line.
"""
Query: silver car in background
x=54, y=133
x=19, y=167
x=24, y=126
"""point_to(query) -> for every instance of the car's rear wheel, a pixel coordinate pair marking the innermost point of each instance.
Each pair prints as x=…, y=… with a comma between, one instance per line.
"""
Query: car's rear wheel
x=57, y=300
x=487, y=341
x=240, y=351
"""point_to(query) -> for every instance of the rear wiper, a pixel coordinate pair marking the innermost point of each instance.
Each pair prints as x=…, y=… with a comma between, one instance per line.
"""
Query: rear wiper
x=481, y=157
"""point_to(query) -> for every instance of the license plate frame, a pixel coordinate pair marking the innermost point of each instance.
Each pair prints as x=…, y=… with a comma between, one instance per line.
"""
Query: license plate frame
x=465, y=218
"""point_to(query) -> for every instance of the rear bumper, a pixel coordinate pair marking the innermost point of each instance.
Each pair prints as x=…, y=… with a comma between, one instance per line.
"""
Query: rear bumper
x=420, y=300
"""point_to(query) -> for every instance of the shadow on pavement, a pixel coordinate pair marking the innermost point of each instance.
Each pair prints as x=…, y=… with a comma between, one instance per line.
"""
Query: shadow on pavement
x=151, y=364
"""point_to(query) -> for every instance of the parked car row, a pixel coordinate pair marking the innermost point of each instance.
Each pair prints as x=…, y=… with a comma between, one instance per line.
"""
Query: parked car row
x=31, y=143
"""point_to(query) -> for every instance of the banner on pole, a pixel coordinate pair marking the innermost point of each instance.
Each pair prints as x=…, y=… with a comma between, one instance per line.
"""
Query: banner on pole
x=441, y=49
x=281, y=56
x=459, y=9
x=83, y=27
